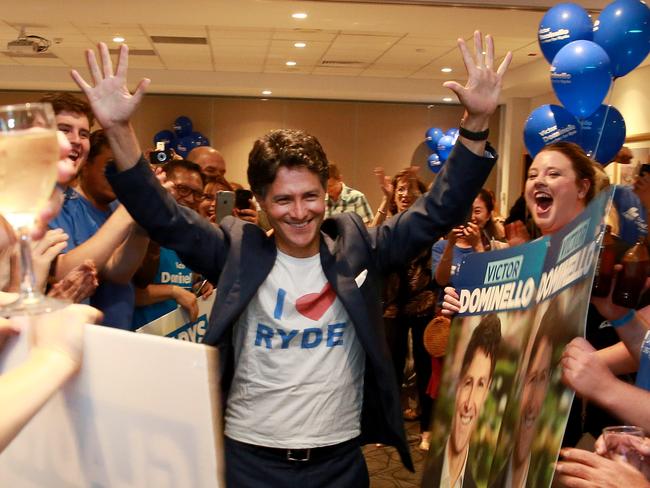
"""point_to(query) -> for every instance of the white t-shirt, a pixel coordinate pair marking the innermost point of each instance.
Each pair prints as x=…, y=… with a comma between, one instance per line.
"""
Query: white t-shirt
x=299, y=367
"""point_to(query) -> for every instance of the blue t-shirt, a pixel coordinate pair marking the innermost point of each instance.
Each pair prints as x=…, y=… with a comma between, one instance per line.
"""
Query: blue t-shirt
x=632, y=216
x=80, y=219
x=458, y=254
x=171, y=271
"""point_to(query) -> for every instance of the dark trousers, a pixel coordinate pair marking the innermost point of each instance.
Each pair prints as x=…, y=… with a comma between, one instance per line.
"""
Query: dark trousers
x=254, y=467
x=397, y=335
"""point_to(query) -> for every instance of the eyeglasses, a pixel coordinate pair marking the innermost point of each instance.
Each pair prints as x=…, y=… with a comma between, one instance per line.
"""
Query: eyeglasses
x=185, y=191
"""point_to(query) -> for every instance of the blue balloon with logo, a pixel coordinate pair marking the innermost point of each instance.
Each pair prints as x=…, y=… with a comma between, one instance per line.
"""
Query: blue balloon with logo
x=547, y=124
x=562, y=24
x=183, y=126
x=432, y=136
x=199, y=139
x=445, y=145
x=581, y=77
x=165, y=136
x=453, y=133
x=623, y=31
x=184, y=146
x=434, y=163
x=602, y=135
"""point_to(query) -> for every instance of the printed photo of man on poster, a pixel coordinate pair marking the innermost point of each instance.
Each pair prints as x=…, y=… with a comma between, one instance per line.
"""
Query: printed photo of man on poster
x=449, y=467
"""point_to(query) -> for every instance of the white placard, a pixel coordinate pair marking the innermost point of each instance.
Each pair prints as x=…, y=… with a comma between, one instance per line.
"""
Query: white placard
x=144, y=411
x=177, y=324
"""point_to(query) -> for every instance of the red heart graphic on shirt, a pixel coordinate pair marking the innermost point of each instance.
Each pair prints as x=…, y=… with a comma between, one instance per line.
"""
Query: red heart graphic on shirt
x=314, y=305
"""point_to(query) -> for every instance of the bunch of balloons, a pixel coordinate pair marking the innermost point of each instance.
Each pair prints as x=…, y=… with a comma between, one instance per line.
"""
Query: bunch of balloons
x=585, y=61
x=441, y=144
x=183, y=139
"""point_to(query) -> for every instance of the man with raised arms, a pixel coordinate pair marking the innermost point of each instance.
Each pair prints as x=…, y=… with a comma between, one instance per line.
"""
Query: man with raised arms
x=305, y=369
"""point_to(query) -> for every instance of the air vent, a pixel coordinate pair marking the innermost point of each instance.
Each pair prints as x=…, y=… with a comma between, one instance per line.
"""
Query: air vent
x=178, y=40
x=334, y=62
x=135, y=52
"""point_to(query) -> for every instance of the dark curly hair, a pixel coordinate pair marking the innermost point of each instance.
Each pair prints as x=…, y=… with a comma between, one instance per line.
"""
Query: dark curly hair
x=284, y=148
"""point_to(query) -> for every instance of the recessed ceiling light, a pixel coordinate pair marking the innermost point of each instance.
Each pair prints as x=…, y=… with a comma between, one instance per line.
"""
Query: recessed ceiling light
x=266, y=92
x=447, y=99
x=446, y=70
x=291, y=63
x=118, y=39
x=299, y=15
x=299, y=44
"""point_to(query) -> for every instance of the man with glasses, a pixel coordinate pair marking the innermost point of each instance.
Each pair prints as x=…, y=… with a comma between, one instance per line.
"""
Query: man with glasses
x=163, y=281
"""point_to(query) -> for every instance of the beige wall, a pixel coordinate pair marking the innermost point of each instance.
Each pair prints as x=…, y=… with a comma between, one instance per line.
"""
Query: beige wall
x=357, y=135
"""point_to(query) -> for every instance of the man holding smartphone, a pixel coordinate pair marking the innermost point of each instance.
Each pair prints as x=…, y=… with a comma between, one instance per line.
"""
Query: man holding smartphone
x=298, y=322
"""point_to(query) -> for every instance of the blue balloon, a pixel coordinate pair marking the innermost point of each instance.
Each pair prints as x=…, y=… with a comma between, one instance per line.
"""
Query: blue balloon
x=199, y=139
x=623, y=31
x=603, y=134
x=547, y=124
x=445, y=145
x=183, y=126
x=453, y=133
x=184, y=146
x=165, y=136
x=434, y=163
x=564, y=23
x=581, y=77
x=432, y=136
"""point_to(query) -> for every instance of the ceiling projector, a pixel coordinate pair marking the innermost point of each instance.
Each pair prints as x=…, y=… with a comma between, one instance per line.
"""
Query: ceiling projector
x=26, y=45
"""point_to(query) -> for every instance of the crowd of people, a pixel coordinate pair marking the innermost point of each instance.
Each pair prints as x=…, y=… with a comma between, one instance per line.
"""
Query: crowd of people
x=135, y=241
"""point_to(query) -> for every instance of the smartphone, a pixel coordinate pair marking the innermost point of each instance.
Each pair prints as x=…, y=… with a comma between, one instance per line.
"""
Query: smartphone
x=199, y=289
x=160, y=155
x=645, y=168
x=242, y=199
x=225, y=202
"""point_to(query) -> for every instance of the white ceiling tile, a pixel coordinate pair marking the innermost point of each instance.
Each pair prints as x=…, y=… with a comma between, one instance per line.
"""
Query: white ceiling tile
x=242, y=33
x=333, y=71
x=194, y=57
x=175, y=30
x=305, y=35
x=34, y=61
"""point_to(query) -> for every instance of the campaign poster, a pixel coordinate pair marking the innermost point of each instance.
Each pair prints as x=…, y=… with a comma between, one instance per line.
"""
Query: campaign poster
x=501, y=409
x=143, y=411
x=177, y=324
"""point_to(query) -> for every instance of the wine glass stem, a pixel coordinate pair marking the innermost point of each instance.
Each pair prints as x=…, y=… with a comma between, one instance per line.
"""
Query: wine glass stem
x=27, y=281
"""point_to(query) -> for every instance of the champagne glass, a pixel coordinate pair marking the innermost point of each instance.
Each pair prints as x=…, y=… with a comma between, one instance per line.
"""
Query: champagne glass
x=29, y=152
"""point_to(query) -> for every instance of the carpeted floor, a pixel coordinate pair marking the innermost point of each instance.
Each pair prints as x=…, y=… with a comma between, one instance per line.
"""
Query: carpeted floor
x=386, y=470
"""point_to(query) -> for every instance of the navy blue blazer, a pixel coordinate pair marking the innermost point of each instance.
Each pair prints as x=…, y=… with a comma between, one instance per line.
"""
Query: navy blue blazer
x=238, y=256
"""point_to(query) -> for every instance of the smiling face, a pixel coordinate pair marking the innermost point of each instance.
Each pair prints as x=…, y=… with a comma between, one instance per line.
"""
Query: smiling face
x=532, y=398
x=480, y=214
x=553, y=193
x=471, y=393
x=76, y=128
x=188, y=187
x=295, y=205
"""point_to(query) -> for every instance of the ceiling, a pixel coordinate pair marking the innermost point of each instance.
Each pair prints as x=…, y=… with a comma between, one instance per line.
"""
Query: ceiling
x=354, y=50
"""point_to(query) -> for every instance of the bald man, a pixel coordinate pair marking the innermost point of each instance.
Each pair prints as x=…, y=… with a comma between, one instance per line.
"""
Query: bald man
x=211, y=161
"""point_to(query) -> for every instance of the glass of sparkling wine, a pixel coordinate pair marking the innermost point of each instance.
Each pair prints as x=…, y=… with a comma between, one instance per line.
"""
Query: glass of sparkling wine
x=29, y=152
